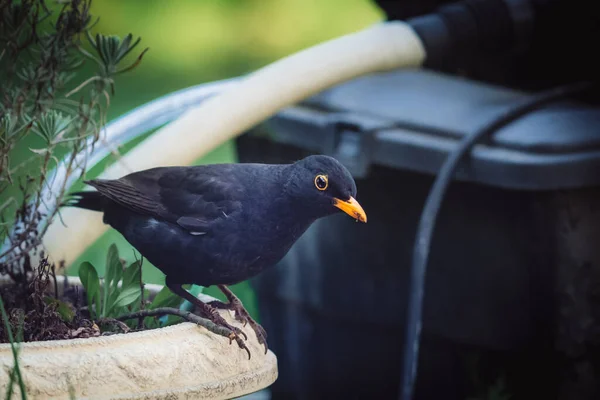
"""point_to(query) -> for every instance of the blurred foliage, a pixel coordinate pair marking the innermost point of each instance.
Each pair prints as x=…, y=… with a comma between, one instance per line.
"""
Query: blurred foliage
x=196, y=41
x=41, y=51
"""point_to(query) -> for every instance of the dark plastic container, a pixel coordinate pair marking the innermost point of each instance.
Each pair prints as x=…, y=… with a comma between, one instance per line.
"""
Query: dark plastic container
x=514, y=272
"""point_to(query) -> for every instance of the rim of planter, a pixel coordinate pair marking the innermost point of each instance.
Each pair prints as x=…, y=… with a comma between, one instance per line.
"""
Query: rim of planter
x=178, y=361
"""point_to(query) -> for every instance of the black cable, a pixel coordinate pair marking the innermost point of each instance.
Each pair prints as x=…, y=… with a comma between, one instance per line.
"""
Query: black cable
x=428, y=218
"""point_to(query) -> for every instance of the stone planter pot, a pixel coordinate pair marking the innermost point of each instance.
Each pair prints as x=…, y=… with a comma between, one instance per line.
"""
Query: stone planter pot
x=183, y=361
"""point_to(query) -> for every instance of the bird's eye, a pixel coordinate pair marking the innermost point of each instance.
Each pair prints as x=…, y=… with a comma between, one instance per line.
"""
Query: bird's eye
x=321, y=182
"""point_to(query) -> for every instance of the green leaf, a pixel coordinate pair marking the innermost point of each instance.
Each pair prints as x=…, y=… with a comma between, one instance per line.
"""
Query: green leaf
x=91, y=284
x=40, y=151
x=65, y=311
x=117, y=277
x=50, y=125
x=114, y=271
x=127, y=296
x=113, y=263
x=135, y=306
x=132, y=275
x=124, y=47
x=165, y=298
x=112, y=297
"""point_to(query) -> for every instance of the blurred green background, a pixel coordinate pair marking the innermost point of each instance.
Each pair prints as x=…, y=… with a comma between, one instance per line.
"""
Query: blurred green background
x=196, y=41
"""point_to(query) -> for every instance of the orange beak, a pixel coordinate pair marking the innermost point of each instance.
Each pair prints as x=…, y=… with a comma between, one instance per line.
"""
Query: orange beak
x=352, y=208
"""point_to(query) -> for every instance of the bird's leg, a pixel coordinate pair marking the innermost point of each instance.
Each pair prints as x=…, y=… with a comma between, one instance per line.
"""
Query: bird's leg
x=210, y=313
x=235, y=304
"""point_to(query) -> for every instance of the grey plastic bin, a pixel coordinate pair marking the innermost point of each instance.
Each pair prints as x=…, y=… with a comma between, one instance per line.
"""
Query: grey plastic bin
x=514, y=272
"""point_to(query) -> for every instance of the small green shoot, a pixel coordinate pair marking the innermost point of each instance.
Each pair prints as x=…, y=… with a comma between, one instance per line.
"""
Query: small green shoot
x=15, y=373
x=120, y=290
x=65, y=310
x=89, y=279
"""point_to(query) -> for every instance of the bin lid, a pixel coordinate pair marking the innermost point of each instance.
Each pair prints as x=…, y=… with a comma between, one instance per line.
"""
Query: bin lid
x=412, y=119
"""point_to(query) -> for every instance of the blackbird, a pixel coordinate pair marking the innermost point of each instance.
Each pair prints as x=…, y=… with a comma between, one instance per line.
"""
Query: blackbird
x=221, y=224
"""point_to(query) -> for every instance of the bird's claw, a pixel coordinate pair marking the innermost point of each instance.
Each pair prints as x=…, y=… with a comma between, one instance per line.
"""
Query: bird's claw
x=219, y=320
x=239, y=331
x=244, y=317
x=261, y=334
x=243, y=346
x=233, y=336
x=234, y=332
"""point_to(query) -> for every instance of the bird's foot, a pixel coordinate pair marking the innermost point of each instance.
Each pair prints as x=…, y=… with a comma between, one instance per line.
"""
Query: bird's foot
x=215, y=317
x=220, y=327
x=235, y=333
x=244, y=317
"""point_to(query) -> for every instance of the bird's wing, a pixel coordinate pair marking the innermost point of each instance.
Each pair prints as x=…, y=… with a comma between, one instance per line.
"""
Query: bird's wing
x=193, y=197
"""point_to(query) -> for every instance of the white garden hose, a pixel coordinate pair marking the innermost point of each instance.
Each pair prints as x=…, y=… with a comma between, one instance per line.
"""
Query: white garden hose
x=382, y=47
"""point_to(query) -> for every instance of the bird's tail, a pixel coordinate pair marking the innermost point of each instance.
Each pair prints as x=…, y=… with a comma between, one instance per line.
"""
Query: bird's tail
x=88, y=200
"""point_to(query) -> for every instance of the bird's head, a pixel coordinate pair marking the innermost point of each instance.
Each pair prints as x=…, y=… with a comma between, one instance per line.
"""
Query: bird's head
x=323, y=186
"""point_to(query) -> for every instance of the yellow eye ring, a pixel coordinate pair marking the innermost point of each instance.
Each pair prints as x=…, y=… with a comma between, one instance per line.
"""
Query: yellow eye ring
x=321, y=182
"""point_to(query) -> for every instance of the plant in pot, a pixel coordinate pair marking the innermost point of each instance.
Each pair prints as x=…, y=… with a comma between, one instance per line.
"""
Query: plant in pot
x=97, y=336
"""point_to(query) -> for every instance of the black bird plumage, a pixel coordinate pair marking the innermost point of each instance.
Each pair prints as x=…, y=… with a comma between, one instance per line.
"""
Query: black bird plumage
x=221, y=224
